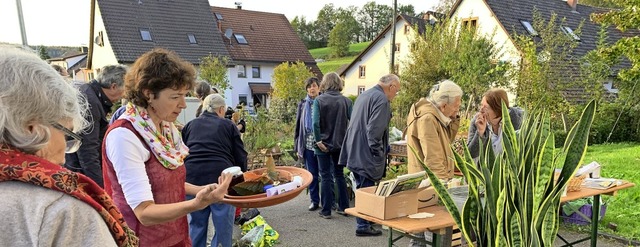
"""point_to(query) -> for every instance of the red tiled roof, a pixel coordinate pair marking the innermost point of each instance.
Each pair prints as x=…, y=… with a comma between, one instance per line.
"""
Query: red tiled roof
x=270, y=37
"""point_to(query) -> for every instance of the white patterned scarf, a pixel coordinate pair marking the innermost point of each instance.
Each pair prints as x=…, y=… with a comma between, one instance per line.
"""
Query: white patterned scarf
x=166, y=145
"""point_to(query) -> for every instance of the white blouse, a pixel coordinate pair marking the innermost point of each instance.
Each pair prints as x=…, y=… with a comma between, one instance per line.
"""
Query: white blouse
x=128, y=155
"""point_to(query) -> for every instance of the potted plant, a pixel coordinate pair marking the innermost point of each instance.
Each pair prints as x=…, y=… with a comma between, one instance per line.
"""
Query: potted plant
x=513, y=199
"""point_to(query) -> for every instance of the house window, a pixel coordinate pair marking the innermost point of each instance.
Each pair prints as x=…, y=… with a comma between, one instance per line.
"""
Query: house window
x=242, y=71
x=192, y=39
x=414, y=46
x=362, y=71
x=242, y=99
x=240, y=38
x=360, y=90
x=255, y=71
x=407, y=28
x=527, y=25
x=471, y=23
x=145, y=34
x=218, y=16
x=570, y=33
x=397, y=47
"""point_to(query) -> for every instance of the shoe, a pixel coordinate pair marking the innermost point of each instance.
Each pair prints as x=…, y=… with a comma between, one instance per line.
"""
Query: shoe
x=313, y=207
x=368, y=232
x=328, y=216
x=341, y=212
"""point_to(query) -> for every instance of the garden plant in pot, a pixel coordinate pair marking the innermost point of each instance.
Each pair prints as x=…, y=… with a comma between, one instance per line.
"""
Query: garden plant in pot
x=513, y=199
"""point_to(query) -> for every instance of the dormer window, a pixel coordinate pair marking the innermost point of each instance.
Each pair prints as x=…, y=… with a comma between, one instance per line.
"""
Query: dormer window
x=192, y=38
x=240, y=38
x=570, y=33
x=145, y=34
x=527, y=25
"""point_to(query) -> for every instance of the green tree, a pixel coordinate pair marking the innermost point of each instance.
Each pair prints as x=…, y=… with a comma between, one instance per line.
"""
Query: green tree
x=324, y=22
x=543, y=78
x=288, y=88
x=339, y=40
x=288, y=80
x=374, y=17
x=42, y=53
x=346, y=16
x=407, y=10
x=213, y=69
x=304, y=30
x=625, y=19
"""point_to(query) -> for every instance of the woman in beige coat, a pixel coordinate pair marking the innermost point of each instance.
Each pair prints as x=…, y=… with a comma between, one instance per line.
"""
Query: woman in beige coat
x=432, y=125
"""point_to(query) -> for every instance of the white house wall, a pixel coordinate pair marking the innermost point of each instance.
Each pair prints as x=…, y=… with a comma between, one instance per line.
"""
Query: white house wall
x=488, y=26
x=377, y=60
x=241, y=85
x=102, y=55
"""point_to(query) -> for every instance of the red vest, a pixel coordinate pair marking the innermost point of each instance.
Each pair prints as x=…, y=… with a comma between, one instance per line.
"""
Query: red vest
x=167, y=187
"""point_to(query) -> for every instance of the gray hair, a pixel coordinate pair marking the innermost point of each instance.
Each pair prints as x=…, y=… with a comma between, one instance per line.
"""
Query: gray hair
x=33, y=93
x=202, y=89
x=331, y=82
x=112, y=74
x=388, y=79
x=445, y=92
x=213, y=102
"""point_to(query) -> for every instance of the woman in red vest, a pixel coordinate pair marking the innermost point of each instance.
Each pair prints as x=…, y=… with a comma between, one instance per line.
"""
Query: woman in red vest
x=143, y=153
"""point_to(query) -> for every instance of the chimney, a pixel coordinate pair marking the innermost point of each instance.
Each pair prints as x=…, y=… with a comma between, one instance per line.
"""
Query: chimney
x=573, y=4
x=238, y=5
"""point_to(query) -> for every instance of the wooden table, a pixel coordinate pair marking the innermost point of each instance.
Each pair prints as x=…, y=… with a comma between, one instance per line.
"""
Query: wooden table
x=595, y=193
x=441, y=225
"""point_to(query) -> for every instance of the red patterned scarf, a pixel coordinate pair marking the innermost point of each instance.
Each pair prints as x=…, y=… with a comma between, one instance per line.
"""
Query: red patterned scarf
x=18, y=166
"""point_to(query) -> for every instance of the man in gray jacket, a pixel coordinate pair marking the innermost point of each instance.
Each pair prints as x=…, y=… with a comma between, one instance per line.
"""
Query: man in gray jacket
x=365, y=144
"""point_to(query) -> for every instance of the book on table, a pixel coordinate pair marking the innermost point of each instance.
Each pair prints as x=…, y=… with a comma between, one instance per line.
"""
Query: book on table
x=399, y=184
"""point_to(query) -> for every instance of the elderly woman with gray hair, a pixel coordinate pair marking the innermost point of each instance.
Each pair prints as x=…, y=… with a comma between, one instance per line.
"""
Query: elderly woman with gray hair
x=432, y=125
x=46, y=204
x=331, y=114
x=214, y=144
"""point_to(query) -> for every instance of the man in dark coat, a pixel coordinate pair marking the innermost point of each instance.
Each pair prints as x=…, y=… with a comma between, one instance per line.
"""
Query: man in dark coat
x=365, y=144
x=100, y=93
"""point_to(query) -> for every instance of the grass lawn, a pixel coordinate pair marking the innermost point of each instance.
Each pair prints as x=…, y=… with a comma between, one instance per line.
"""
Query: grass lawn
x=331, y=65
x=334, y=64
x=323, y=53
x=622, y=161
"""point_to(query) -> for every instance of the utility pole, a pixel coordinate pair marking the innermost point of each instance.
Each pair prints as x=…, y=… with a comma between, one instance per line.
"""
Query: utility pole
x=23, y=32
x=393, y=37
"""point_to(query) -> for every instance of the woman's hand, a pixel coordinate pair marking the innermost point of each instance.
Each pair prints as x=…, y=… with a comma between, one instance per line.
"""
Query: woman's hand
x=213, y=193
x=481, y=123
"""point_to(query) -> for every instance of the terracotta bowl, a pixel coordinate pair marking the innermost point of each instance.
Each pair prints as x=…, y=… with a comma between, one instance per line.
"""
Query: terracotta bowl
x=261, y=200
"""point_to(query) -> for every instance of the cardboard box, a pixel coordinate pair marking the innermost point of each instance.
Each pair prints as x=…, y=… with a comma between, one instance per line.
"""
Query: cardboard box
x=427, y=197
x=393, y=206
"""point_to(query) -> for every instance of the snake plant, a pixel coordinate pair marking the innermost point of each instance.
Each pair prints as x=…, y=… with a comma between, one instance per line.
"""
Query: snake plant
x=513, y=197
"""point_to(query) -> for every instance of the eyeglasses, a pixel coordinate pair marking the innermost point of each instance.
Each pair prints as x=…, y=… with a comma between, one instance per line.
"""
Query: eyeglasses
x=73, y=143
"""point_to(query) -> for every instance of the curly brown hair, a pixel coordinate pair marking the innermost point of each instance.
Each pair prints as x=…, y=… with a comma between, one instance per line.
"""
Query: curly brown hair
x=157, y=70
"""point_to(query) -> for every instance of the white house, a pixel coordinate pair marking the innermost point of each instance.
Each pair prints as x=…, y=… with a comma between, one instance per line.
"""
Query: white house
x=124, y=30
x=374, y=61
x=500, y=19
x=258, y=42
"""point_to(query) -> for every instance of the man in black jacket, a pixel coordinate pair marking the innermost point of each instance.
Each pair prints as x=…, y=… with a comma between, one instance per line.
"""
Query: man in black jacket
x=100, y=93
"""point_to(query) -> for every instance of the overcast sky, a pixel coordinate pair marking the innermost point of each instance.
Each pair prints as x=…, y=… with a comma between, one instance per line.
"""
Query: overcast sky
x=66, y=22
